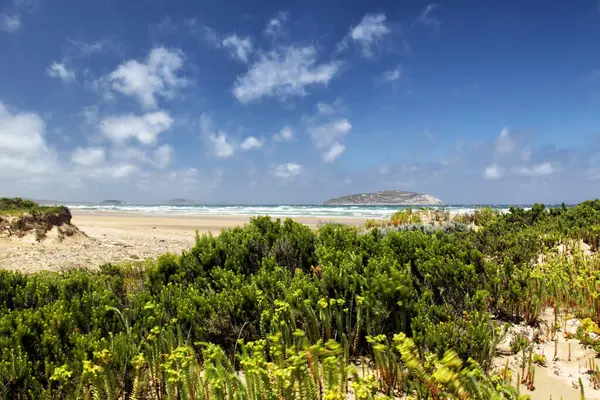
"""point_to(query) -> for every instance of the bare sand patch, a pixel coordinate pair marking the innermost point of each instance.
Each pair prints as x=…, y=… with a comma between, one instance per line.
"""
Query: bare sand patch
x=120, y=237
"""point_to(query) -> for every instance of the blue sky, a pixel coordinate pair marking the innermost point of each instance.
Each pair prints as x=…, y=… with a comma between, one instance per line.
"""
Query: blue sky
x=473, y=101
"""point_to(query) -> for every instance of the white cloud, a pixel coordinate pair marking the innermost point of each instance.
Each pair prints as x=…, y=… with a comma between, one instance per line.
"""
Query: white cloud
x=61, y=71
x=23, y=148
x=285, y=135
x=327, y=134
x=21, y=133
x=162, y=156
x=110, y=172
x=286, y=171
x=325, y=109
x=89, y=157
x=187, y=176
x=504, y=144
x=121, y=171
x=327, y=137
x=493, y=171
x=334, y=152
x=393, y=74
x=87, y=49
x=274, y=27
x=221, y=146
x=218, y=141
x=144, y=128
x=145, y=81
x=368, y=33
x=10, y=23
x=159, y=157
x=129, y=154
x=211, y=36
x=426, y=18
x=284, y=73
x=543, y=169
x=239, y=48
x=251, y=143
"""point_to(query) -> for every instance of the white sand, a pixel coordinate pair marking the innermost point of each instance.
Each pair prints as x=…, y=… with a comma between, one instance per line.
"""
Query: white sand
x=121, y=237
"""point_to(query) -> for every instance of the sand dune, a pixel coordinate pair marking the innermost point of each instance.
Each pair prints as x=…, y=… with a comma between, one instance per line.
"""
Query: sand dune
x=120, y=237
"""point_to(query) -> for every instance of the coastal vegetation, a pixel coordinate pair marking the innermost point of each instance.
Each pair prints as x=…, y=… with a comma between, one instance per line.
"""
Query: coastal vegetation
x=274, y=310
x=17, y=205
x=24, y=218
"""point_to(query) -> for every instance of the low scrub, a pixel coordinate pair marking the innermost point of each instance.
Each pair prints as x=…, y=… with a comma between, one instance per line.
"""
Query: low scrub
x=275, y=310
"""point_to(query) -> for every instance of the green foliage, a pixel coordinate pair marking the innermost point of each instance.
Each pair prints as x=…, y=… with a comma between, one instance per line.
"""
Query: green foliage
x=407, y=216
x=518, y=343
x=292, y=308
x=17, y=205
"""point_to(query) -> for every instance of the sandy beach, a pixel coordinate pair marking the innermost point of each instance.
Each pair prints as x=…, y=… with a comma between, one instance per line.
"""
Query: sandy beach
x=121, y=237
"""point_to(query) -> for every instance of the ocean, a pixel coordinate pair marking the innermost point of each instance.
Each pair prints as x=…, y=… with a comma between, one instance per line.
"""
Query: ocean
x=274, y=210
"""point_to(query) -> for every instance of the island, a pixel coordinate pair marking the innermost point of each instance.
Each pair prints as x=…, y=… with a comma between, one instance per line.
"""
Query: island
x=182, y=202
x=385, y=198
x=113, y=203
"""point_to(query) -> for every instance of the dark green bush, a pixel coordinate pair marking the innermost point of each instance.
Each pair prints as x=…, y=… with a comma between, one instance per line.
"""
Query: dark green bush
x=270, y=279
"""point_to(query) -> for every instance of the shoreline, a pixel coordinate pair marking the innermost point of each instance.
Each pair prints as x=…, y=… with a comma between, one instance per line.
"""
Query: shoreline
x=218, y=217
x=118, y=237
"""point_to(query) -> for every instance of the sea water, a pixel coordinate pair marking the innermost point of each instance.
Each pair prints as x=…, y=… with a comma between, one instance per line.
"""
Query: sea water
x=321, y=211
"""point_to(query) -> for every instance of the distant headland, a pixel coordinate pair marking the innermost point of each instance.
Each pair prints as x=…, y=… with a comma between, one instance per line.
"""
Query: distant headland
x=385, y=198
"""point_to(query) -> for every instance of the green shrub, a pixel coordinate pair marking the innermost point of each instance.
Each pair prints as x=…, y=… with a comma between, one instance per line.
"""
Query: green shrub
x=292, y=307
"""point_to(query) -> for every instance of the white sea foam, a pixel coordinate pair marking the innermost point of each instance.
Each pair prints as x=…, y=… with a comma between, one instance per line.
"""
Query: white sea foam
x=273, y=210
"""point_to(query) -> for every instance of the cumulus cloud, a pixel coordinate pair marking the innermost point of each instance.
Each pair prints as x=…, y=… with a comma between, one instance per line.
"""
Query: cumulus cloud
x=89, y=157
x=61, y=71
x=286, y=171
x=239, y=47
x=145, y=128
x=23, y=148
x=145, y=81
x=251, y=143
x=221, y=145
x=493, y=172
x=326, y=137
x=284, y=73
x=543, y=169
x=368, y=34
x=285, y=135
x=10, y=23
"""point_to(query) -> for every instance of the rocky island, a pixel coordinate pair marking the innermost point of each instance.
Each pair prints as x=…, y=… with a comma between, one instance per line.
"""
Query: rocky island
x=385, y=198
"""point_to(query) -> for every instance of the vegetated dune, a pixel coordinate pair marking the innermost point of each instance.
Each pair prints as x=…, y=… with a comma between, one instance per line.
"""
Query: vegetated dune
x=401, y=309
x=53, y=225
